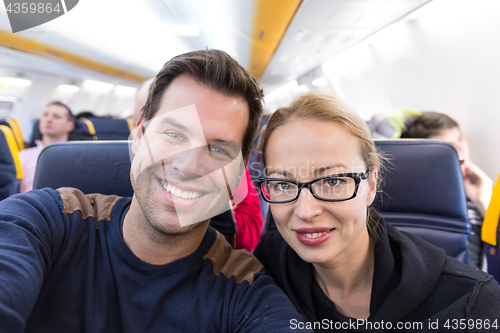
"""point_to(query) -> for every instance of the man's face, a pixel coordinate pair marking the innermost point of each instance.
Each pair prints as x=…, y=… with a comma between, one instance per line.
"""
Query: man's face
x=54, y=121
x=189, y=160
x=141, y=99
x=454, y=137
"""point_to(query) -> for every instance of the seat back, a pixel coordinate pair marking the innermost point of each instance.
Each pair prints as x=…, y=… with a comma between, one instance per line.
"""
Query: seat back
x=100, y=167
x=423, y=193
x=10, y=166
x=490, y=232
x=107, y=128
x=13, y=124
x=81, y=132
x=255, y=163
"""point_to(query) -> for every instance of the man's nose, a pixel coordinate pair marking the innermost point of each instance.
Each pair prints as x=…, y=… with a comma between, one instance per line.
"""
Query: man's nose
x=193, y=163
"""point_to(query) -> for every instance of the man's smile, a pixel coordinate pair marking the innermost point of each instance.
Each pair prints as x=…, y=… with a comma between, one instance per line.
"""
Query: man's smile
x=176, y=191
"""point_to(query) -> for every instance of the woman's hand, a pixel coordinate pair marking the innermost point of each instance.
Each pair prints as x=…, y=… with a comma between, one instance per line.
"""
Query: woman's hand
x=478, y=186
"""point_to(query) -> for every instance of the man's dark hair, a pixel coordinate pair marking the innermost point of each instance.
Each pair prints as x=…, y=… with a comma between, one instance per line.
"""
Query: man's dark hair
x=71, y=117
x=217, y=71
x=85, y=115
x=427, y=125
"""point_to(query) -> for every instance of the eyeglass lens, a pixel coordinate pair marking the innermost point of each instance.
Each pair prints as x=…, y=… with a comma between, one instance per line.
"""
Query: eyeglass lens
x=335, y=188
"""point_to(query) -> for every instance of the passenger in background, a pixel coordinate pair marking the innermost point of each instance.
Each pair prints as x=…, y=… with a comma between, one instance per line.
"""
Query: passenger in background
x=56, y=123
x=336, y=259
x=141, y=97
x=478, y=186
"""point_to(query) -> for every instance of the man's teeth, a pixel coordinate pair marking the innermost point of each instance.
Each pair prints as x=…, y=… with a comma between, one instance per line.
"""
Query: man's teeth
x=315, y=235
x=180, y=193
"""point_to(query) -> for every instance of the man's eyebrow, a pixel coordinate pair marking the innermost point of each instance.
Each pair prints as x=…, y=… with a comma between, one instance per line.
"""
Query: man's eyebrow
x=224, y=142
x=175, y=123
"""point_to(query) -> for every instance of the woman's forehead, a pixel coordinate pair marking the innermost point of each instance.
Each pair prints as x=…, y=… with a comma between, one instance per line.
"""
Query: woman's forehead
x=314, y=145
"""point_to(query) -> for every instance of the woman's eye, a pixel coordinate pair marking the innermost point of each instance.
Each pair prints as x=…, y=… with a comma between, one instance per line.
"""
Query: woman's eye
x=284, y=186
x=333, y=182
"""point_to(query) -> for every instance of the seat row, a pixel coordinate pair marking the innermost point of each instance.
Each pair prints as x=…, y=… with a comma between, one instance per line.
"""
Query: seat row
x=11, y=143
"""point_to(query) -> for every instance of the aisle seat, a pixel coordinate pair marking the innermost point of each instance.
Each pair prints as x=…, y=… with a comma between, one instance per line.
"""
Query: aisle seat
x=81, y=132
x=107, y=128
x=10, y=166
x=13, y=124
x=490, y=233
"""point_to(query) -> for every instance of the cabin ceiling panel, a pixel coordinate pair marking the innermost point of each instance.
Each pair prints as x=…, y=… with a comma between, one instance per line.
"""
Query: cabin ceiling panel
x=323, y=28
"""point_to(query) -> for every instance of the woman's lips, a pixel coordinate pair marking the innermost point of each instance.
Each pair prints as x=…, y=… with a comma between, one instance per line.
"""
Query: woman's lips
x=313, y=236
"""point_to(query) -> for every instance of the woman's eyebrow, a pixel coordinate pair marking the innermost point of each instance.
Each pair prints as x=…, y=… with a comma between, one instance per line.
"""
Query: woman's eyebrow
x=282, y=172
x=320, y=170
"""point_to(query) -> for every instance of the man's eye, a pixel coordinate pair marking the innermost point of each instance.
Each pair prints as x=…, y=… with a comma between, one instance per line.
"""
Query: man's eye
x=175, y=136
x=219, y=151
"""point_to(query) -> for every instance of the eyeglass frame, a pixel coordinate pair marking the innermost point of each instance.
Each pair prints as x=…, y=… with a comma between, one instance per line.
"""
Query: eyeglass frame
x=358, y=177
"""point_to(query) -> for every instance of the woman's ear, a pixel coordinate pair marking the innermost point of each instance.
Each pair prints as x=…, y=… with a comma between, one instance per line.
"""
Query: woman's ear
x=372, y=187
x=138, y=135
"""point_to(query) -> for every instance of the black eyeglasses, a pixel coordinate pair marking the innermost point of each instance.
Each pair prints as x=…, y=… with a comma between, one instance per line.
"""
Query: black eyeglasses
x=339, y=187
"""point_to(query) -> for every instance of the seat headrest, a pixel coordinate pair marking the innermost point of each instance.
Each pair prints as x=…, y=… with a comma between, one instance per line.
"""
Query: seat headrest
x=107, y=128
x=424, y=177
x=91, y=166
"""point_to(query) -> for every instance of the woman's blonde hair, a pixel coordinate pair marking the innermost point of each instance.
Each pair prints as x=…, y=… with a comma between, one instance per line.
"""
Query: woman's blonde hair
x=321, y=107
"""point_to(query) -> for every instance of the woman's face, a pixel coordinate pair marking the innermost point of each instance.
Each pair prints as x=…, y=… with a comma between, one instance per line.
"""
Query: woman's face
x=319, y=231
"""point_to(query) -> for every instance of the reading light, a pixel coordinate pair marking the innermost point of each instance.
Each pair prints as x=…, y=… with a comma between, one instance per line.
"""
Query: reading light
x=97, y=86
x=10, y=81
x=68, y=88
x=124, y=90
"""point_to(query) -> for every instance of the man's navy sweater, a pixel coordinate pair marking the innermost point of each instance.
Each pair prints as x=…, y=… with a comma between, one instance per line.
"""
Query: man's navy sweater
x=64, y=267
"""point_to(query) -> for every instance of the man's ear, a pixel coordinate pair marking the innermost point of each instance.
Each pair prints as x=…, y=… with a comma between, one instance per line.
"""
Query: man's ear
x=372, y=187
x=138, y=135
x=71, y=126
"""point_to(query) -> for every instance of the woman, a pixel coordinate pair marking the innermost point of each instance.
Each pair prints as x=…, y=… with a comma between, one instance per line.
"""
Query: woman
x=337, y=260
x=478, y=186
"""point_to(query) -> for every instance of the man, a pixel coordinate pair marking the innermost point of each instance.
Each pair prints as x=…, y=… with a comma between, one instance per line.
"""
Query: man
x=55, y=125
x=141, y=98
x=93, y=263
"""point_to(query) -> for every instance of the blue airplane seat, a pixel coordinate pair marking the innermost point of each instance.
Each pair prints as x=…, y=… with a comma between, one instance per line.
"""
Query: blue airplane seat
x=80, y=133
x=423, y=193
x=100, y=167
x=490, y=232
x=8, y=172
x=107, y=128
x=255, y=163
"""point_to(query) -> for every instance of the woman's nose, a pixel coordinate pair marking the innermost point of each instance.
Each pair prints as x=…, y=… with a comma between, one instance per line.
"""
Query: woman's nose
x=307, y=206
